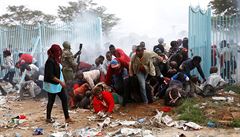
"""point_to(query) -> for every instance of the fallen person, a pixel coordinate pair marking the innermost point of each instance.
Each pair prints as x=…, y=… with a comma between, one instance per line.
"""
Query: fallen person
x=31, y=88
x=103, y=101
x=173, y=93
x=213, y=83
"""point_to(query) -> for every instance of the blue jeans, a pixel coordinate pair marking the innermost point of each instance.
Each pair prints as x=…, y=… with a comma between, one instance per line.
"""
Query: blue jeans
x=142, y=83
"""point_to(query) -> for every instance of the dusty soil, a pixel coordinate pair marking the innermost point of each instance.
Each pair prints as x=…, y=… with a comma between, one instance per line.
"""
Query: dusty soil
x=35, y=112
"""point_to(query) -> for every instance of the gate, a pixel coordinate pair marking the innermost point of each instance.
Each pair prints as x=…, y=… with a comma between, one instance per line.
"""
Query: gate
x=200, y=36
x=37, y=39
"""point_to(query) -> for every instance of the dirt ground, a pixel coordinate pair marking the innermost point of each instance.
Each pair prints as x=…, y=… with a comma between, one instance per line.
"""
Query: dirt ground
x=35, y=112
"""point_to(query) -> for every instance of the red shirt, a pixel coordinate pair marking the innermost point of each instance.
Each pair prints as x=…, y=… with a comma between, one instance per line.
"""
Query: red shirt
x=111, y=71
x=27, y=58
x=105, y=105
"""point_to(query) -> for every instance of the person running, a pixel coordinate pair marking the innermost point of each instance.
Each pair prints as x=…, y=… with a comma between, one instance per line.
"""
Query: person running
x=8, y=66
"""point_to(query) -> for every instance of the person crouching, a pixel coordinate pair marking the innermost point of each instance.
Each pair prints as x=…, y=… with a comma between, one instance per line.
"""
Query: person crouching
x=103, y=101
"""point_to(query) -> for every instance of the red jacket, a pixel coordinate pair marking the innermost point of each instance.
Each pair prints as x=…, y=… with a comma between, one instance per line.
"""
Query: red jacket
x=105, y=105
x=111, y=71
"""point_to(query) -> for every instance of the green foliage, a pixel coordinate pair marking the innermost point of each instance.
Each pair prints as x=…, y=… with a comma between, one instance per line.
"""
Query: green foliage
x=235, y=88
x=225, y=7
x=22, y=15
x=74, y=9
x=235, y=123
x=189, y=112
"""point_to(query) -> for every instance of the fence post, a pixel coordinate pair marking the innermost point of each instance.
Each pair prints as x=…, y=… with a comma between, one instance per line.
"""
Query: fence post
x=40, y=45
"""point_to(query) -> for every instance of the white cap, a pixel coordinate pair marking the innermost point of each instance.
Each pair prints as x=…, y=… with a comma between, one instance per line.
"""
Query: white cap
x=160, y=40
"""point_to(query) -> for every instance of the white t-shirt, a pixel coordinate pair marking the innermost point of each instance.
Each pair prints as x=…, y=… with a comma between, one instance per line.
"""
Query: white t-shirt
x=34, y=69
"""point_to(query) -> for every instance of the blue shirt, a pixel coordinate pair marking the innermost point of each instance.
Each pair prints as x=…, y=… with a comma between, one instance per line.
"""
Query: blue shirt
x=52, y=88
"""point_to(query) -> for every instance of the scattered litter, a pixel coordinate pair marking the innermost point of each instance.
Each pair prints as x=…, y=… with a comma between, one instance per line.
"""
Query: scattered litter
x=211, y=124
x=181, y=124
x=131, y=132
x=2, y=100
x=219, y=98
x=126, y=132
x=102, y=114
x=127, y=123
x=60, y=134
x=105, y=123
x=193, y=125
x=38, y=131
x=142, y=120
x=114, y=124
x=228, y=99
x=86, y=132
x=58, y=126
x=167, y=120
x=157, y=119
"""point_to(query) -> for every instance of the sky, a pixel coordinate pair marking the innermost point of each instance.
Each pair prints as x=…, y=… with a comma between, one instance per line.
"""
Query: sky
x=150, y=18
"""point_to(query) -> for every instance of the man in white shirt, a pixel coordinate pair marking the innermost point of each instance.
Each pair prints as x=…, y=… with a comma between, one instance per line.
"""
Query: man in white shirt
x=213, y=82
x=91, y=77
x=107, y=62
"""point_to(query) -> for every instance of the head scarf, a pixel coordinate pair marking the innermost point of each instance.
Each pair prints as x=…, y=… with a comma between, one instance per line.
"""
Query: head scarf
x=55, y=52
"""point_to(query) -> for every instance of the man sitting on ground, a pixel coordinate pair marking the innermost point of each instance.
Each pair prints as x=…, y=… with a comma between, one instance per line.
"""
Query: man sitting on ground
x=213, y=82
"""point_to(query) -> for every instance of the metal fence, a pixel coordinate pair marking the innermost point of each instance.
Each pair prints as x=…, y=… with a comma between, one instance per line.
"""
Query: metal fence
x=37, y=39
x=225, y=46
x=216, y=39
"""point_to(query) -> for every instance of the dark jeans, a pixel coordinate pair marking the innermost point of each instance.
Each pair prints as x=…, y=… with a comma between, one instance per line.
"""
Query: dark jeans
x=51, y=100
x=9, y=76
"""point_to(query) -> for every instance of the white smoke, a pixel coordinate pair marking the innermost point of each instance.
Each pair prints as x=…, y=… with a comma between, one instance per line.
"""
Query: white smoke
x=84, y=29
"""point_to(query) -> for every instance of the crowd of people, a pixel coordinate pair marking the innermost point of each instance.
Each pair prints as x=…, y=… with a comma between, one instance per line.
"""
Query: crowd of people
x=116, y=78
